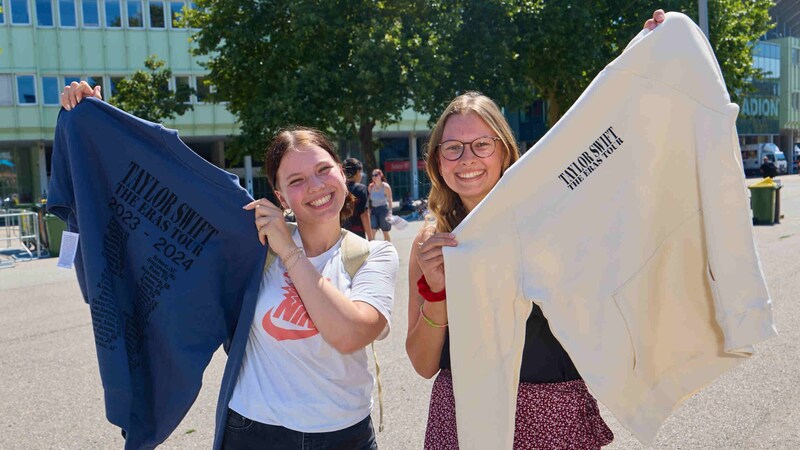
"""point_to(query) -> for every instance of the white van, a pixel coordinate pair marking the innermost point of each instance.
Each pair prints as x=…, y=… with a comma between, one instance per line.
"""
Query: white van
x=753, y=155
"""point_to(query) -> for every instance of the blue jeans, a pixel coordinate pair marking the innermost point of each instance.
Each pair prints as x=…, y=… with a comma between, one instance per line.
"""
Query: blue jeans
x=242, y=433
x=378, y=218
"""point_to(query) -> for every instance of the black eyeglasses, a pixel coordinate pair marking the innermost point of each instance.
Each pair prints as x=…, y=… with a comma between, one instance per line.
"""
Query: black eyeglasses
x=483, y=147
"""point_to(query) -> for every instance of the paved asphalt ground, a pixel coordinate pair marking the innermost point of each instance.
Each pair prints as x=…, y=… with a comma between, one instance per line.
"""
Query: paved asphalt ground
x=50, y=394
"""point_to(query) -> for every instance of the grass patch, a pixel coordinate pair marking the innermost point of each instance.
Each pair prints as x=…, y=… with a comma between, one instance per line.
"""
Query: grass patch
x=190, y=431
x=786, y=236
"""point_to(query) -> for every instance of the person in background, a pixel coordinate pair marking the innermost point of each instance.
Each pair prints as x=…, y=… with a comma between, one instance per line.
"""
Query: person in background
x=359, y=222
x=380, y=198
x=768, y=168
x=406, y=204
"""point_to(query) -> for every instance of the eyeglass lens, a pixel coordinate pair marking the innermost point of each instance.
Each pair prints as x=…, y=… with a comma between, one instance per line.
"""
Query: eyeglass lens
x=482, y=147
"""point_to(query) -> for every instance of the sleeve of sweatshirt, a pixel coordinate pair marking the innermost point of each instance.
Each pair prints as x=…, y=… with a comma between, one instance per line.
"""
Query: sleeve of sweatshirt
x=487, y=316
x=742, y=303
x=683, y=59
x=60, y=199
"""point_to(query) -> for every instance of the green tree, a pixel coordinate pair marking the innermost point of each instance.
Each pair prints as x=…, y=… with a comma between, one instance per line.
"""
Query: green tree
x=734, y=26
x=146, y=94
x=475, y=46
x=516, y=50
x=339, y=65
x=344, y=65
x=571, y=41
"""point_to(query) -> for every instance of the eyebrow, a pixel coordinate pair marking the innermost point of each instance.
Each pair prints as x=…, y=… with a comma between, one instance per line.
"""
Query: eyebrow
x=321, y=163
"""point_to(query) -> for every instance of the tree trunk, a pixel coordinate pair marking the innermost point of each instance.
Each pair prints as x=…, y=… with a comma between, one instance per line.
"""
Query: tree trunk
x=367, y=148
x=553, y=110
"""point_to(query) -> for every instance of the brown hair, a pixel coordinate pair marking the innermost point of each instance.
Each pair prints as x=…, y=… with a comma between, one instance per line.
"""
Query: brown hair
x=291, y=139
x=383, y=177
x=445, y=205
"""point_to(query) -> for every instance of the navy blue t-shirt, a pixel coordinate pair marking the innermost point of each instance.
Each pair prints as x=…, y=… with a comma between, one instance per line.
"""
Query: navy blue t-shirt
x=166, y=257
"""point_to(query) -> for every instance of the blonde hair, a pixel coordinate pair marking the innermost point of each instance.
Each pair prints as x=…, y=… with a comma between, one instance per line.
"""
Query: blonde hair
x=444, y=204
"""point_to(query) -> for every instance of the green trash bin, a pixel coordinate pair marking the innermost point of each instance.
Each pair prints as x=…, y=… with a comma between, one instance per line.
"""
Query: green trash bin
x=55, y=227
x=762, y=202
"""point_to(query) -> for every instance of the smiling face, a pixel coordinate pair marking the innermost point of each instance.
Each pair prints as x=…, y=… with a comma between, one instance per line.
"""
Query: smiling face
x=470, y=177
x=311, y=183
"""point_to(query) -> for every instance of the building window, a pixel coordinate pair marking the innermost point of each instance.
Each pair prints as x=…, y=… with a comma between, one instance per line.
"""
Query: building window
x=203, y=90
x=66, y=13
x=50, y=91
x=135, y=14
x=19, y=12
x=44, y=13
x=112, y=85
x=113, y=14
x=796, y=56
x=6, y=91
x=68, y=79
x=176, y=14
x=183, y=82
x=26, y=90
x=796, y=101
x=91, y=14
x=156, y=14
x=95, y=80
x=2, y=16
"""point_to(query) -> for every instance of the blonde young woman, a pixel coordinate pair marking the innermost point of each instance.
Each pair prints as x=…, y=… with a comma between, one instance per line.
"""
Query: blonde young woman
x=470, y=148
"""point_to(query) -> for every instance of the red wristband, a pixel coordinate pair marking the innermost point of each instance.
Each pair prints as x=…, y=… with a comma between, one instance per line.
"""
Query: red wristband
x=427, y=294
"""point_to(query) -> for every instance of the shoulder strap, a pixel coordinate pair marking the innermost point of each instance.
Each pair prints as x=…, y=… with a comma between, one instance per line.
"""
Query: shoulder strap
x=355, y=251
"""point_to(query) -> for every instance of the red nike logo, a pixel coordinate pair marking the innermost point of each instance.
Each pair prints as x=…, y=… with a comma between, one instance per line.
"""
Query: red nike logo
x=290, y=320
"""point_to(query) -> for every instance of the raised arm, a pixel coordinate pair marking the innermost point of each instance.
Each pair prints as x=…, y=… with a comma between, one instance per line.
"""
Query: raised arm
x=425, y=339
x=347, y=324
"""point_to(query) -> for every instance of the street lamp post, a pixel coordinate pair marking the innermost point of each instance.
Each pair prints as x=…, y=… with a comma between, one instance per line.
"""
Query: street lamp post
x=702, y=9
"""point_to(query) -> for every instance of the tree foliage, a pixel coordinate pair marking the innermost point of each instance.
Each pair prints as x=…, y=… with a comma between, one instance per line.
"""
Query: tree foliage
x=476, y=46
x=734, y=26
x=345, y=65
x=146, y=94
x=515, y=50
x=338, y=65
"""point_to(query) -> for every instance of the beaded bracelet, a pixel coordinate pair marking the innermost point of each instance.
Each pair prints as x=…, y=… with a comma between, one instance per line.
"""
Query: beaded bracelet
x=425, y=291
x=299, y=255
x=428, y=320
x=286, y=257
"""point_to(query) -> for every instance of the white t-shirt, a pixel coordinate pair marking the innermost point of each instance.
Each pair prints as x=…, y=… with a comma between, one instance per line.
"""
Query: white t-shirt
x=290, y=376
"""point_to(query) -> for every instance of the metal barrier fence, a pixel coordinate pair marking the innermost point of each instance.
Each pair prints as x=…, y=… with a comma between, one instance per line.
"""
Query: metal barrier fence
x=19, y=229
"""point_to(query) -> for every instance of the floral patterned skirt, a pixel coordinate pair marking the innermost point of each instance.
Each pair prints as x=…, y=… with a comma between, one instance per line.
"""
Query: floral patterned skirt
x=549, y=416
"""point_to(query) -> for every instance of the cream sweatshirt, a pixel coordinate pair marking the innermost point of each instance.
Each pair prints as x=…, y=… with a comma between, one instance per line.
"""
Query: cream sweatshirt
x=629, y=225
